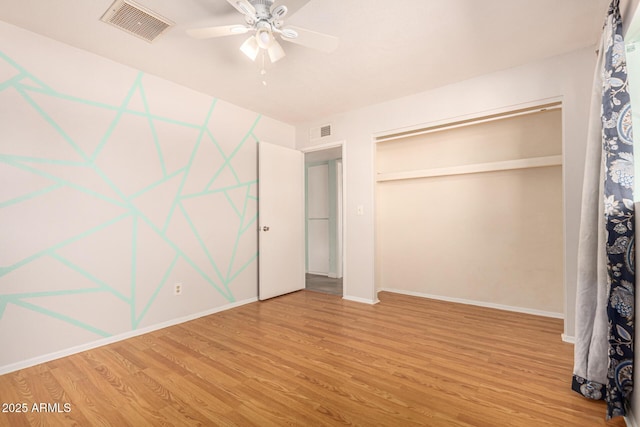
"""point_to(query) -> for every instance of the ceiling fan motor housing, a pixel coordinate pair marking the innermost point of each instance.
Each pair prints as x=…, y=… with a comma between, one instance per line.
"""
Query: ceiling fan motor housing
x=263, y=8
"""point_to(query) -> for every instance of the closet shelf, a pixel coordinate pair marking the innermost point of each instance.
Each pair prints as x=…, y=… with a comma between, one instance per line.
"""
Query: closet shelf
x=533, y=162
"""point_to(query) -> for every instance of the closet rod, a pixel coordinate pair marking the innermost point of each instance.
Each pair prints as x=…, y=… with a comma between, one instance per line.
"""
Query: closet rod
x=533, y=162
x=469, y=122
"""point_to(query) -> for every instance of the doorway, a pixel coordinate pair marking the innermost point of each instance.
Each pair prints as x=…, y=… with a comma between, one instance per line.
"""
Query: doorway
x=324, y=220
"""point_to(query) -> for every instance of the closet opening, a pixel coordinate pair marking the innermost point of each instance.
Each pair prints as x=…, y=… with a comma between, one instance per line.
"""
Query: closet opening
x=471, y=211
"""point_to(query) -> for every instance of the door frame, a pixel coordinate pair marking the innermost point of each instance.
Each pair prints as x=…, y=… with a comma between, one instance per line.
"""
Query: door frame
x=337, y=144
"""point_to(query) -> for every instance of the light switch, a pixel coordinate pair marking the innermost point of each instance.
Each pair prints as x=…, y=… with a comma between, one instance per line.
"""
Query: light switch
x=360, y=210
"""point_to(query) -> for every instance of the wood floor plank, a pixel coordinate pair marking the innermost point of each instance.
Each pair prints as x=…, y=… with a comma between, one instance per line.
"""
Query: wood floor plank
x=13, y=393
x=86, y=401
x=313, y=359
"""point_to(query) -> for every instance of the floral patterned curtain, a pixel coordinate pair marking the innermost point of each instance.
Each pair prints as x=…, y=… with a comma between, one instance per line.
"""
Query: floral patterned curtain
x=605, y=302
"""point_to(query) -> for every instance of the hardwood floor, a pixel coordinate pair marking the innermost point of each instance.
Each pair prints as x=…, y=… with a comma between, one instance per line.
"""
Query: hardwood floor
x=314, y=359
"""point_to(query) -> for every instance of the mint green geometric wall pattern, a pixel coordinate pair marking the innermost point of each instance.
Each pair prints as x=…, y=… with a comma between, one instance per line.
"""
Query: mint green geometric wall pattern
x=112, y=201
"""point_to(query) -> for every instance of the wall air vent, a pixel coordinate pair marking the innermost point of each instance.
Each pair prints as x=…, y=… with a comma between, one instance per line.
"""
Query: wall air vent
x=135, y=19
x=320, y=132
x=325, y=131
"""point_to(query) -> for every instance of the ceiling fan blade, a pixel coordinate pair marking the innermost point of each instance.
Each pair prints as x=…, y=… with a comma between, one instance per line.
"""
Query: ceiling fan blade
x=244, y=7
x=279, y=12
x=293, y=6
x=308, y=38
x=210, y=32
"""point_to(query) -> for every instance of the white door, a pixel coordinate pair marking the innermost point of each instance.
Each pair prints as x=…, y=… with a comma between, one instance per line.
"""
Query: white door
x=281, y=220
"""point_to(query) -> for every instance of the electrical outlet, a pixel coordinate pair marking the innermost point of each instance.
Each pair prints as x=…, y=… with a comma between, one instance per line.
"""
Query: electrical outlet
x=177, y=289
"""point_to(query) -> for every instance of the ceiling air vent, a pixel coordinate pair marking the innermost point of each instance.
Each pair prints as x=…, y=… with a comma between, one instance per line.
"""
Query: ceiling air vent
x=135, y=19
x=320, y=132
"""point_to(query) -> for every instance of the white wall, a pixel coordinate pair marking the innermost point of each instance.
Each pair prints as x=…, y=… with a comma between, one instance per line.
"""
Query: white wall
x=116, y=185
x=628, y=9
x=567, y=77
x=317, y=197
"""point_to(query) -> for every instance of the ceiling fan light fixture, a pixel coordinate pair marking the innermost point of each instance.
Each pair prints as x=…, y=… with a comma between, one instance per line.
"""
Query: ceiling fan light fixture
x=250, y=48
x=264, y=38
x=276, y=52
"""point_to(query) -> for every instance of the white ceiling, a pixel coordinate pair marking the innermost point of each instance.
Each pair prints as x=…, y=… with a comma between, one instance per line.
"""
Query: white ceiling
x=388, y=49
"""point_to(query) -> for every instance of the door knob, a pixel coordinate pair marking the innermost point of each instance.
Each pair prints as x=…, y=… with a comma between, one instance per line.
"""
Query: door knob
x=265, y=228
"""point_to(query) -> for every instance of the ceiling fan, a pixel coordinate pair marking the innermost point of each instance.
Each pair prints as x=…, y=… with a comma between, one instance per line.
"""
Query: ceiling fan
x=266, y=22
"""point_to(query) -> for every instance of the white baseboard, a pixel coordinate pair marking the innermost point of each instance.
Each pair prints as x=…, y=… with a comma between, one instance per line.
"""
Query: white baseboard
x=630, y=419
x=361, y=300
x=120, y=337
x=568, y=339
x=318, y=273
x=479, y=303
x=325, y=274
